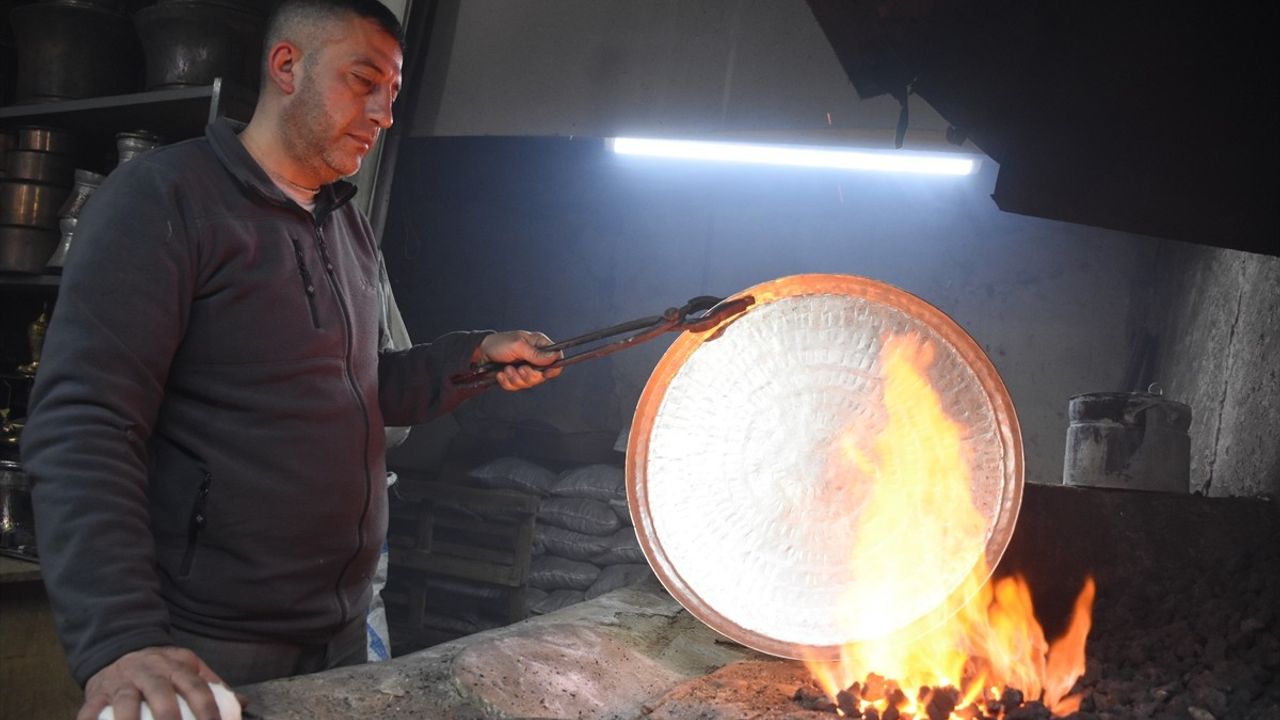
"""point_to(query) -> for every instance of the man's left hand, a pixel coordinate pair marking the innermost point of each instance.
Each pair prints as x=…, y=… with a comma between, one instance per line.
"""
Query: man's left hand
x=516, y=346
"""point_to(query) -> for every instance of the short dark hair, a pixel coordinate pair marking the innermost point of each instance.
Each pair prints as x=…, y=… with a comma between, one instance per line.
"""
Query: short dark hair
x=290, y=12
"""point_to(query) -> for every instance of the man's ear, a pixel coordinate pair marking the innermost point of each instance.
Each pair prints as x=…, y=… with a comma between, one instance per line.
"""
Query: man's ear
x=282, y=66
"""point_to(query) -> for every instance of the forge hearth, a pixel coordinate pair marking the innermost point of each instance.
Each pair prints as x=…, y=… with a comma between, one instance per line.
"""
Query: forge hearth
x=1186, y=627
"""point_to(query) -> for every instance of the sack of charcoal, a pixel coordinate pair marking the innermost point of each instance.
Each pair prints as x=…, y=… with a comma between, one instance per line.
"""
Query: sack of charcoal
x=539, y=602
x=513, y=473
x=606, y=484
x=549, y=573
x=581, y=515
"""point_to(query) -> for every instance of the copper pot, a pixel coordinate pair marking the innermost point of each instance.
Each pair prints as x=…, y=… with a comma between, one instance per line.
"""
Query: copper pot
x=745, y=502
x=39, y=166
x=45, y=139
x=33, y=204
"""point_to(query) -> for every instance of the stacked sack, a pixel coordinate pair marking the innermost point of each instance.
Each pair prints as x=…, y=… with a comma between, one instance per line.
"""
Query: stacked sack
x=584, y=542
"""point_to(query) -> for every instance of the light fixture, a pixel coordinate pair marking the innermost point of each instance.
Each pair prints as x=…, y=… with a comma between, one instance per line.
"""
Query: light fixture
x=902, y=161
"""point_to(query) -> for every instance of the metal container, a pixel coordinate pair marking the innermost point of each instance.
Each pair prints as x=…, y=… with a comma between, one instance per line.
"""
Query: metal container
x=86, y=182
x=1134, y=441
x=26, y=249
x=33, y=204
x=70, y=49
x=39, y=166
x=130, y=145
x=55, y=263
x=191, y=42
x=45, y=139
x=7, y=143
x=17, y=524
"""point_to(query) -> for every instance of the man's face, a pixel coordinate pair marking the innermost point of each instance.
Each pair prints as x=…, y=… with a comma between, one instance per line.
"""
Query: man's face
x=343, y=99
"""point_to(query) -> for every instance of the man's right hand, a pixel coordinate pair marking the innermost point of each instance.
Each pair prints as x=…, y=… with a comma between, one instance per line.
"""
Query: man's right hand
x=157, y=675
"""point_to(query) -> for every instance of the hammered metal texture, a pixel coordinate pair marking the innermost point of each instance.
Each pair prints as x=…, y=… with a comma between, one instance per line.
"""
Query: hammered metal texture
x=739, y=504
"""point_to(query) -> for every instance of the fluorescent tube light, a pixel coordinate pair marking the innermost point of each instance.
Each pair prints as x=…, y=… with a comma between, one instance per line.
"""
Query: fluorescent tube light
x=799, y=156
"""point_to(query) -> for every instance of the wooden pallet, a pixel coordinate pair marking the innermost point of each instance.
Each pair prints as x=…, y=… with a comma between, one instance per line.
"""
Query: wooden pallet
x=469, y=534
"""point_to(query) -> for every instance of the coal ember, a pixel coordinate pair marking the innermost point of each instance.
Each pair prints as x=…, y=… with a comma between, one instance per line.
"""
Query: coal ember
x=848, y=702
x=940, y=702
x=1203, y=644
x=810, y=697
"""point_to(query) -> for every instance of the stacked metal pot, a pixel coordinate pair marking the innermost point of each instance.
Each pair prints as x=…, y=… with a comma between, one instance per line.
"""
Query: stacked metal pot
x=39, y=169
x=77, y=49
x=70, y=49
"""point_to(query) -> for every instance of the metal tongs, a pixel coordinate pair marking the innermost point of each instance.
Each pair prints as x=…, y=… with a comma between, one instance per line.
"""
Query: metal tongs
x=700, y=314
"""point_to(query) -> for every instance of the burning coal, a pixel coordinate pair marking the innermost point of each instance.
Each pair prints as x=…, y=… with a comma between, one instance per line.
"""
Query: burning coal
x=985, y=660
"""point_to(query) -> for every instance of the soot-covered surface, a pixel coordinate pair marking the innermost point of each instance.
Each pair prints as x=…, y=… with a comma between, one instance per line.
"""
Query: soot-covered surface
x=1186, y=618
x=1203, y=646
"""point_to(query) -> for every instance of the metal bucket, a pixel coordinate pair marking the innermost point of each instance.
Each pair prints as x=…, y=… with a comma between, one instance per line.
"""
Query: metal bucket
x=1134, y=441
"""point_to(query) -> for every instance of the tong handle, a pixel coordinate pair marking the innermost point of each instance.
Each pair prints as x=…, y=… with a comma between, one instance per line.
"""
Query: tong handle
x=641, y=330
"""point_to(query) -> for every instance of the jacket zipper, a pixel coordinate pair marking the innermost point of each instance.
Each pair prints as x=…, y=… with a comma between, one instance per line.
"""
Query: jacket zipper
x=364, y=411
x=196, y=524
x=308, y=286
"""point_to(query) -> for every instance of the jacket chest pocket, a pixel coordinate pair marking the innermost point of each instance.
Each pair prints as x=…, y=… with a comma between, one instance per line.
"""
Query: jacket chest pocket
x=273, y=304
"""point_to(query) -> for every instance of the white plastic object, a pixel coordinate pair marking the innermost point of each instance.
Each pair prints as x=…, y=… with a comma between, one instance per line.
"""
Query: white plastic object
x=228, y=706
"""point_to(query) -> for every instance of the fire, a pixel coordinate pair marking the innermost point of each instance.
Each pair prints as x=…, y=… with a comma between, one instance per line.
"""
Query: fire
x=918, y=471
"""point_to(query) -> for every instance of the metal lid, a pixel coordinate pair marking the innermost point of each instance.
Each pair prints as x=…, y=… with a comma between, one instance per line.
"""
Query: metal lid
x=729, y=473
x=1129, y=408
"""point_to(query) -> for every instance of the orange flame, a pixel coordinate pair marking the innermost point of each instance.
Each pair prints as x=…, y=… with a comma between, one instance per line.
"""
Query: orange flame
x=918, y=474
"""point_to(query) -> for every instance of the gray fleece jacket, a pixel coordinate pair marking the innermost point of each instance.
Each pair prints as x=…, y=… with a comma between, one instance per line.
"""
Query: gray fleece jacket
x=205, y=436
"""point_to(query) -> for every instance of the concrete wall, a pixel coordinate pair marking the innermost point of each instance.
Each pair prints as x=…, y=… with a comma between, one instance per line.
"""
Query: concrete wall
x=562, y=236
x=1214, y=319
x=584, y=67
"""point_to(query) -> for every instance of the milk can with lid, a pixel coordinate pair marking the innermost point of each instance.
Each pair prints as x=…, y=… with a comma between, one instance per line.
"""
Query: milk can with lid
x=1129, y=440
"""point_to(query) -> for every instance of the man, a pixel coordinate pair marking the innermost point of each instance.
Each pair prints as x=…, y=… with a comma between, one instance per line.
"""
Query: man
x=206, y=431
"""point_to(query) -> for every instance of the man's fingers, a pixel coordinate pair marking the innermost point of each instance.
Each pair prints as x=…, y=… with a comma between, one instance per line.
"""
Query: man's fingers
x=94, y=703
x=522, y=377
x=161, y=696
x=198, y=695
x=126, y=702
x=538, y=341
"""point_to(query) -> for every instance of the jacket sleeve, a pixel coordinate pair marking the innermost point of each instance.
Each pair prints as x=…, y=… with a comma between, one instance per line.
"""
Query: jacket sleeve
x=413, y=384
x=122, y=309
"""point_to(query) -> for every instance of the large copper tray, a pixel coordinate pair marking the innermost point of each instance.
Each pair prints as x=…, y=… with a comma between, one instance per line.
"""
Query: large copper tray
x=728, y=477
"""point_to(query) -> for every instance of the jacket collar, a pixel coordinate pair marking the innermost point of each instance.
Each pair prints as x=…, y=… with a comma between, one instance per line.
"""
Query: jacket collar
x=222, y=134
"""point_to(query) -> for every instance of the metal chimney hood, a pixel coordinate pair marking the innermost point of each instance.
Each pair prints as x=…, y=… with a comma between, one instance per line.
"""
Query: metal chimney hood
x=1146, y=117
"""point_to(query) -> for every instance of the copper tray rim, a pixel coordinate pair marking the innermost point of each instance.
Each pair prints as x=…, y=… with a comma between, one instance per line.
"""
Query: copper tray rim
x=687, y=343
